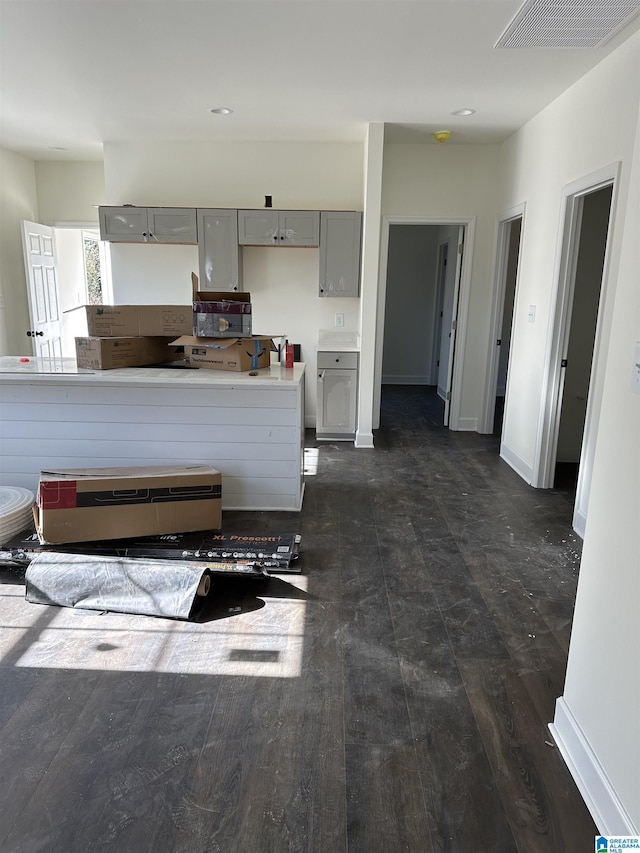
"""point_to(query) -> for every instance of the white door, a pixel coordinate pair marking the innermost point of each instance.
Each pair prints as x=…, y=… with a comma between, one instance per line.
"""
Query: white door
x=45, y=329
x=454, y=325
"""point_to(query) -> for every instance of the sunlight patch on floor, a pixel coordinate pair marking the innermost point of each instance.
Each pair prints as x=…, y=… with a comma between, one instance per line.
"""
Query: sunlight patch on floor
x=265, y=642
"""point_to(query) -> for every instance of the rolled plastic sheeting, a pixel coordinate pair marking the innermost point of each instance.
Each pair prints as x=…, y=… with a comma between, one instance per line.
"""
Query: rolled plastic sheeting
x=16, y=512
x=169, y=588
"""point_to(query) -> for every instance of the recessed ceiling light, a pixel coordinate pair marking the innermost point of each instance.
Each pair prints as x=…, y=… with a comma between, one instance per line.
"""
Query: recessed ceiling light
x=221, y=111
x=467, y=111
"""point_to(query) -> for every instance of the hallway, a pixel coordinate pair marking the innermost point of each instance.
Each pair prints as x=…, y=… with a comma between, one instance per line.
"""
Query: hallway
x=416, y=662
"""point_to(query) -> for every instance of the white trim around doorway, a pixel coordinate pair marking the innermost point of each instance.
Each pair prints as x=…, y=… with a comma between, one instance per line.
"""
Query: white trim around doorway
x=564, y=271
x=498, y=277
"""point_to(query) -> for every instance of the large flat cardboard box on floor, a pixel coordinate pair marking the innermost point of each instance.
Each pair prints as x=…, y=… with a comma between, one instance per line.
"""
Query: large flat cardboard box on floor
x=134, y=320
x=220, y=313
x=90, y=504
x=235, y=354
x=109, y=353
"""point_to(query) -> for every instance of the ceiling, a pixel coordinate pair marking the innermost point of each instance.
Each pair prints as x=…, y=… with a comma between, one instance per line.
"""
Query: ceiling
x=75, y=74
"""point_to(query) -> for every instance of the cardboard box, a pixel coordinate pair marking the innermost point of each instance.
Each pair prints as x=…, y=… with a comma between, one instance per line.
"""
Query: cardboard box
x=125, y=321
x=109, y=353
x=89, y=504
x=236, y=354
x=220, y=313
x=217, y=314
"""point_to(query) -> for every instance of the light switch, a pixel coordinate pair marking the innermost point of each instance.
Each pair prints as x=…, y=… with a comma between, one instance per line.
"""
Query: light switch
x=531, y=316
x=339, y=321
x=635, y=377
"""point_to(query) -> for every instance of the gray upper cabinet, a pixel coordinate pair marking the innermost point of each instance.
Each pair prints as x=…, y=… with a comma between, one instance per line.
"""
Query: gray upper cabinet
x=172, y=225
x=220, y=257
x=148, y=224
x=340, y=242
x=269, y=227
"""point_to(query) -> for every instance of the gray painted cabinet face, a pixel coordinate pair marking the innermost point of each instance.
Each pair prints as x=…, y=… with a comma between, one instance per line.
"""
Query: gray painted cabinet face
x=148, y=224
x=123, y=224
x=172, y=225
x=220, y=258
x=340, y=240
x=337, y=390
x=269, y=227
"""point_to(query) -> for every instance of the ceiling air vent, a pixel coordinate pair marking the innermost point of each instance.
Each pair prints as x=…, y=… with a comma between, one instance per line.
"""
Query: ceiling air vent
x=567, y=23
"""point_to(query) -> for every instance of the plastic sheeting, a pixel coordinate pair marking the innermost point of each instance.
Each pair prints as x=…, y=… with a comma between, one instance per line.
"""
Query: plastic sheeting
x=168, y=588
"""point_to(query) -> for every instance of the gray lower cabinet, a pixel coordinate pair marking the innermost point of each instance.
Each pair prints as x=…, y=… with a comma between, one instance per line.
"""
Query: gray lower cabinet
x=337, y=393
x=220, y=257
x=148, y=224
x=268, y=227
x=340, y=249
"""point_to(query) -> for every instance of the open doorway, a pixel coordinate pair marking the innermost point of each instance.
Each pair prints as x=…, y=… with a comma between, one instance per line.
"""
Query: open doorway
x=422, y=324
x=72, y=269
x=595, y=208
x=574, y=382
x=506, y=266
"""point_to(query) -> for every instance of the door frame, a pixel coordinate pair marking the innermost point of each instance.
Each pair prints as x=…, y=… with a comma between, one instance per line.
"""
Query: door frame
x=557, y=340
x=499, y=278
x=441, y=273
x=463, y=306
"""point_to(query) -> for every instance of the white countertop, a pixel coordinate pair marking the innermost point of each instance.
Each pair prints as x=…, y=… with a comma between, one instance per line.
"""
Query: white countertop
x=338, y=340
x=15, y=369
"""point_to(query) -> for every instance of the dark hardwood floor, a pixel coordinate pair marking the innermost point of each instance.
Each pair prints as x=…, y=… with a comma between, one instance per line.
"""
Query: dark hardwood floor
x=395, y=696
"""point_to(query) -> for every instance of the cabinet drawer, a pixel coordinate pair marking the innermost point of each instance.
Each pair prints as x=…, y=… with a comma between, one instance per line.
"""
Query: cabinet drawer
x=344, y=360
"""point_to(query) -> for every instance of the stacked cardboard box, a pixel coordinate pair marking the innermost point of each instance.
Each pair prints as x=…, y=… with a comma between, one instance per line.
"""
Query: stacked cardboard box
x=222, y=336
x=130, y=335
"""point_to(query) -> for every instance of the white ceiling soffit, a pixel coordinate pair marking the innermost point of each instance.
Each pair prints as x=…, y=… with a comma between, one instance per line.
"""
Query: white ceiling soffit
x=567, y=23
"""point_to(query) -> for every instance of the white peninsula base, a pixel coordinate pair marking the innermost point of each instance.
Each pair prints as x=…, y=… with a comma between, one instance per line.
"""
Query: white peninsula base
x=251, y=428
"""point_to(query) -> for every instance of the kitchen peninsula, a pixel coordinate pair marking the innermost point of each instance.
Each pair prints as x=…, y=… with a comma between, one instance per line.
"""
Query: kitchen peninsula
x=249, y=427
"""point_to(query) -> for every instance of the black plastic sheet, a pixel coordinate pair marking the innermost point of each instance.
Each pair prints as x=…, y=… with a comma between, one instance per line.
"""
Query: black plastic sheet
x=168, y=588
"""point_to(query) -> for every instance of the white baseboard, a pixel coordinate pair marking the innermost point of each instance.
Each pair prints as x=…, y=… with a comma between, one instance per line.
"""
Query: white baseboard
x=519, y=465
x=442, y=392
x=364, y=439
x=579, y=522
x=467, y=425
x=608, y=813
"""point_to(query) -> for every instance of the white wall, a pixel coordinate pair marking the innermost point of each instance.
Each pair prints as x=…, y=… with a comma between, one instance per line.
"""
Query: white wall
x=69, y=191
x=283, y=282
x=410, y=304
x=449, y=182
x=18, y=200
x=590, y=126
x=602, y=689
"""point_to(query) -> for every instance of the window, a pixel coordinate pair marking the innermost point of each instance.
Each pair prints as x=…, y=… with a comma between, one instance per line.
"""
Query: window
x=92, y=270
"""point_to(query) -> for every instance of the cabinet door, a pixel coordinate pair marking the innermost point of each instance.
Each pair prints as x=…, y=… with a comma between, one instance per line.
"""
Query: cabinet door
x=220, y=258
x=258, y=227
x=340, y=239
x=336, y=403
x=123, y=224
x=299, y=227
x=172, y=225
